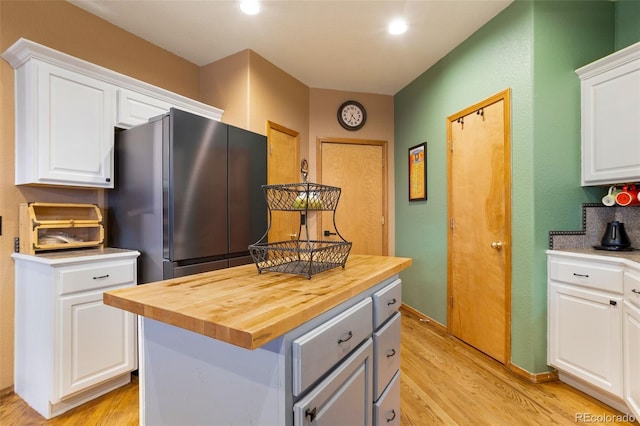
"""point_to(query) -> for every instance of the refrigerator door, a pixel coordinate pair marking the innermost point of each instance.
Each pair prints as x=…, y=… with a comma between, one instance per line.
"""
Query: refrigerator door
x=196, y=187
x=247, y=205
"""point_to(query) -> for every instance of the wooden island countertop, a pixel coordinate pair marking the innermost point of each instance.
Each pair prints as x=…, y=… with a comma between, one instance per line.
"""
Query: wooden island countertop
x=247, y=309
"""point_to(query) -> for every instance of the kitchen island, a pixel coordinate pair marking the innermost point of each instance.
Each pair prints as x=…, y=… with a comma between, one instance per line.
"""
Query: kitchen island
x=237, y=347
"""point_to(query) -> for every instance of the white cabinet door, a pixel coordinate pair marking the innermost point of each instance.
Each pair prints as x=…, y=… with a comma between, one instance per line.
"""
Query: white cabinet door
x=97, y=342
x=135, y=108
x=585, y=335
x=610, y=91
x=65, y=129
x=632, y=357
x=344, y=397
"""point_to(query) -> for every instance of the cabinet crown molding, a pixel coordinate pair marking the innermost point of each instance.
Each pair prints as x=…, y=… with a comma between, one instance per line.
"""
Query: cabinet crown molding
x=24, y=50
x=616, y=59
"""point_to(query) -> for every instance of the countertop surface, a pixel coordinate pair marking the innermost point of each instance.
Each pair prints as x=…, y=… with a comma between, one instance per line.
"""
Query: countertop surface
x=633, y=255
x=247, y=309
x=81, y=255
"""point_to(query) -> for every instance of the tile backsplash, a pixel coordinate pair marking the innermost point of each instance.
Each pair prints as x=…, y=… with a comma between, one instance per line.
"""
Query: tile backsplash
x=594, y=222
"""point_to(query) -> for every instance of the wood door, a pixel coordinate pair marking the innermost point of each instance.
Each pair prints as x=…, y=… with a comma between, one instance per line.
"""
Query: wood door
x=479, y=249
x=283, y=166
x=358, y=167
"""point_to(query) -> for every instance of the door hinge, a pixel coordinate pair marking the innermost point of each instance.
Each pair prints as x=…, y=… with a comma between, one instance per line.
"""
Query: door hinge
x=451, y=301
x=451, y=146
x=451, y=224
x=382, y=220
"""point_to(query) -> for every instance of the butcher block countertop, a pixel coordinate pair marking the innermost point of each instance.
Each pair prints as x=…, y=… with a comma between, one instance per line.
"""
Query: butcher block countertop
x=247, y=309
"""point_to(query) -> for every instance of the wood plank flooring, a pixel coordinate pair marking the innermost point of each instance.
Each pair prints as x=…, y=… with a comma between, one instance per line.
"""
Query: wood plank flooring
x=443, y=382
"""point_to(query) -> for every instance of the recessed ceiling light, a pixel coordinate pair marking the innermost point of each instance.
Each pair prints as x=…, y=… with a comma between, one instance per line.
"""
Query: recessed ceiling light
x=397, y=26
x=250, y=7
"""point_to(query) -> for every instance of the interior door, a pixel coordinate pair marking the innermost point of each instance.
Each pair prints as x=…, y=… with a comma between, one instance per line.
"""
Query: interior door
x=283, y=166
x=358, y=167
x=479, y=249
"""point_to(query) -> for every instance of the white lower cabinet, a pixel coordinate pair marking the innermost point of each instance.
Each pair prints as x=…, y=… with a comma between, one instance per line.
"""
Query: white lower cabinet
x=586, y=340
x=593, y=331
x=97, y=342
x=632, y=358
x=70, y=347
x=631, y=338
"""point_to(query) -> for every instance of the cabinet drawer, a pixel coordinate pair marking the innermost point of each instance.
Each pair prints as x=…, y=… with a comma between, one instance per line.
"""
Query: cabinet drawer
x=632, y=289
x=596, y=275
x=386, y=354
x=97, y=275
x=343, y=398
x=314, y=353
x=386, y=411
x=386, y=302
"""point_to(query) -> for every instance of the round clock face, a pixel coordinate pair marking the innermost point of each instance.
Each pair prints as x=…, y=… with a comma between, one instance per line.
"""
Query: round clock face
x=352, y=115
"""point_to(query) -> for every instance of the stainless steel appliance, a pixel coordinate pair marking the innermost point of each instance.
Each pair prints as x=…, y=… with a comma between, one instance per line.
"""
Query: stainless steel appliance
x=188, y=195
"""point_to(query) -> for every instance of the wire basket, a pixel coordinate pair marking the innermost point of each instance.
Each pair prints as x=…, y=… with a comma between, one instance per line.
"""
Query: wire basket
x=301, y=196
x=302, y=257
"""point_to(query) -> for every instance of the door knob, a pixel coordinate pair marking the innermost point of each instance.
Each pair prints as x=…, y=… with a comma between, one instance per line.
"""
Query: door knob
x=293, y=236
x=496, y=245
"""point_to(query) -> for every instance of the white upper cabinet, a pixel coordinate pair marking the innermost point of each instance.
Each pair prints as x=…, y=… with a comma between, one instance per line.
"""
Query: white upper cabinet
x=66, y=113
x=64, y=127
x=610, y=90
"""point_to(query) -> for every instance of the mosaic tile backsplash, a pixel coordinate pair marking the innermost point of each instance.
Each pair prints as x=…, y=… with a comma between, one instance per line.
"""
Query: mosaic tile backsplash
x=594, y=222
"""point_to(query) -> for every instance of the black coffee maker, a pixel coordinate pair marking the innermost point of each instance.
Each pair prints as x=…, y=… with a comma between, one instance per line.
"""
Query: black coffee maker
x=615, y=238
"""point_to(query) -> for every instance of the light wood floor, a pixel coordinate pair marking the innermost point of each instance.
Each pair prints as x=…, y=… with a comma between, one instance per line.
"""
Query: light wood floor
x=444, y=382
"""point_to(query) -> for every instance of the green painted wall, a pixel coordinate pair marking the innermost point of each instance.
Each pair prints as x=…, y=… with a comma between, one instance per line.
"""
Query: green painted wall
x=532, y=48
x=627, y=23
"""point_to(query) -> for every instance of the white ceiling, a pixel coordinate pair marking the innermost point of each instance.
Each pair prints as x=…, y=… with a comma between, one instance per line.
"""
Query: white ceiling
x=326, y=44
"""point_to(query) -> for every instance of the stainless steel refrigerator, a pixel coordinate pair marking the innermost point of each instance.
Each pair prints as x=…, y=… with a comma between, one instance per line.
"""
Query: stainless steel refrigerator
x=188, y=195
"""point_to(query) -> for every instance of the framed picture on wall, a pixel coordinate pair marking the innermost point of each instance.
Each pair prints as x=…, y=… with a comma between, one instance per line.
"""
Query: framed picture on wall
x=418, y=172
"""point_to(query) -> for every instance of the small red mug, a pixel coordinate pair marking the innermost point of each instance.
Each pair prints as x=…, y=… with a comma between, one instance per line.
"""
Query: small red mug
x=628, y=196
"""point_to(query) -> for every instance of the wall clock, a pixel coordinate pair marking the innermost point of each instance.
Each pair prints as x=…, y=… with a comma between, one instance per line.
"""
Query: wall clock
x=352, y=115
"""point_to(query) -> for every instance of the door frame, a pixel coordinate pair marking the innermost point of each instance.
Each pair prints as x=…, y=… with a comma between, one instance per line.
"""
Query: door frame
x=504, y=96
x=385, y=179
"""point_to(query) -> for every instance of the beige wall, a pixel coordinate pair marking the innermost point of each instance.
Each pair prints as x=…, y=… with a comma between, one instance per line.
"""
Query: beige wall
x=252, y=91
x=323, y=123
x=64, y=27
x=249, y=89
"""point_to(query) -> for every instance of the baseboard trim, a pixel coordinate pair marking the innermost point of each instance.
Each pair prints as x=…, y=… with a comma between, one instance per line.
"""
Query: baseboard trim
x=549, y=376
x=6, y=391
x=423, y=318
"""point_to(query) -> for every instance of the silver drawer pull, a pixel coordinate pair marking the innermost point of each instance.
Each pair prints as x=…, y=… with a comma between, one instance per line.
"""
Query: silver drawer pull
x=392, y=302
x=349, y=336
x=101, y=277
x=580, y=275
x=633, y=290
x=393, y=416
x=391, y=353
